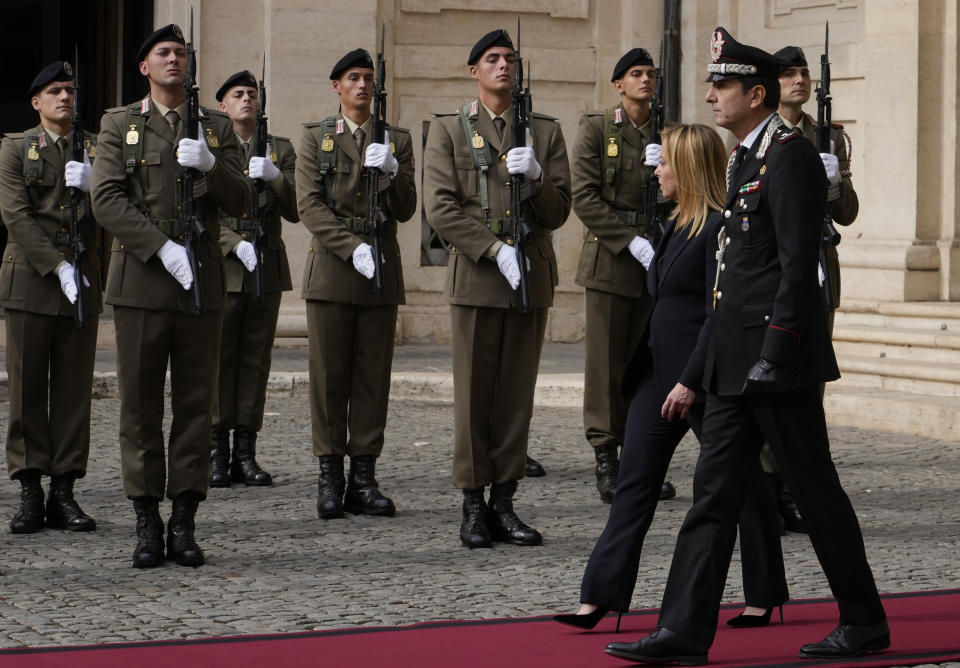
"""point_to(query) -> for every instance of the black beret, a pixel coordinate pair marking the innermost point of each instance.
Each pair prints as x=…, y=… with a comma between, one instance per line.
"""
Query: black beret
x=490, y=40
x=632, y=57
x=793, y=55
x=733, y=59
x=58, y=71
x=356, y=58
x=168, y=33
x=242, y=78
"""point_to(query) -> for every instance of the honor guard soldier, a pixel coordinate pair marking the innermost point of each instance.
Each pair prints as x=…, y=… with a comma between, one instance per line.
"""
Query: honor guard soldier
x=351, y=331
x=136, y=197
x=608, y=170
x=249, y=321
x=469, y=160
x=768, y=352
x=49, y=358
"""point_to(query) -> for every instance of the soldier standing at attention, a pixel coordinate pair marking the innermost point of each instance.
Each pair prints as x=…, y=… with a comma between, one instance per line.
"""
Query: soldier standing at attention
x=351, y=331
x=468, y=162
x=49, y=359
x=249, y=324
x=136, y=198
x=608, y=176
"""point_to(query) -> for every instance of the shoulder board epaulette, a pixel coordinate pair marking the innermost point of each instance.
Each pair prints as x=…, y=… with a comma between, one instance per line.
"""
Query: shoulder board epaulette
x=118, y=110
x=836, y=126
x=278, y=138
x=447, y=113
x=213, y=112
x=783, y=134
x=313, y=124
x=15, y=135
x=596, y=112
x=537, y=114
x=394, y=128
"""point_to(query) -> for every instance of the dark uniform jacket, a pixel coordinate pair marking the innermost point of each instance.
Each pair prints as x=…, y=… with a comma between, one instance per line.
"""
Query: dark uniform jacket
x=36, y=210
x=329, y=274
x=136, y=276
x=453, y=207
x=768, y=301
x=606, y=263
x=282, y=201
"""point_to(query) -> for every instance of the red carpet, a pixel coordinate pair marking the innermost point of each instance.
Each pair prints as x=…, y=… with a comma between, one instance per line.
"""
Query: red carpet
x=925, y=628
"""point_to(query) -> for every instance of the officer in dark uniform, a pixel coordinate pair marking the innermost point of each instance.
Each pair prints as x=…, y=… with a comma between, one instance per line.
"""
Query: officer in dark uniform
x=608, y=171
x=136, y=189
x=250, y=324
x=496, y=349
x=49, y=359
x=768, y=353
x=351, y=331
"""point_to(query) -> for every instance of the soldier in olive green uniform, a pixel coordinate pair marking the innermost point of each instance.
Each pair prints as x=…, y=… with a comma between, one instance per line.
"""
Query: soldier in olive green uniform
x=49, y=359
x=351, y=331
x=136, y=198
x=608, y=179
x=249, y=324
x=468, y=163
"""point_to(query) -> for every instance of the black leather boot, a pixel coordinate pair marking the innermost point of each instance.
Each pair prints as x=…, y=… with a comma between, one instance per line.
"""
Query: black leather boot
x=363, y=492
x=219, y=458
x=534, y=469
x=181, y=545
x=29, y=517
x=63, y=511
x=474, y=531
x=504, y=524
x=330, y=485
x=608, y=468
x=244, y=467
x=149, y=550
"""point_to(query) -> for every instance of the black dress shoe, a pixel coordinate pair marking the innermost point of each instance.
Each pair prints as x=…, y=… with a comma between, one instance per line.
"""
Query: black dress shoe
x=363, y=495
x=588, y=620
x=848, y=640
x=661, y=646
x=667, y=490
x=744, y=621
x=505, y=526
x=63, y=511
x=534, y=468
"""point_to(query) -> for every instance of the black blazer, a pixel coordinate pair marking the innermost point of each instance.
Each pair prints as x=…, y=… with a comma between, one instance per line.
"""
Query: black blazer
x=680, y=280
x=770, y=303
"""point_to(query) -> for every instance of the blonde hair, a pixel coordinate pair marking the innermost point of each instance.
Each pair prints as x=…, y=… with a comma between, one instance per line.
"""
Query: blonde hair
x=695, y=153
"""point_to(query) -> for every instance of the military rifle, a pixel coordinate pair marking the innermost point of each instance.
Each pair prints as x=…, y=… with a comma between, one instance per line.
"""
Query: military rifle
x=194, y=232
x=259, y=187
x=824, y=118
x=653, y=220
x=378, y=216
x=78, y=247
x=520, y=136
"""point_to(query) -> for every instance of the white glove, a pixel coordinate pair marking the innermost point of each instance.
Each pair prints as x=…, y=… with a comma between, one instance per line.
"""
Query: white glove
x=379, y=156
x=363, y=260
x=521, y=160
x=174, y=259
x=67, y=283
x=642, y=250
x=195, y=153
x=653, y=155
x=820, y=276
x=832, y=166
x=263, y=169
x=77, y=174
x=247, y=253
x=508, y=264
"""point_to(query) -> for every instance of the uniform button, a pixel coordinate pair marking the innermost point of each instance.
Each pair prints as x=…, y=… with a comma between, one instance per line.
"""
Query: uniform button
x=143, y=161
x=359, y=194
x=719, y=295
x=180, y=237
x=63, y=254
x=507, y=185
x=726, y=213
x=243, y=236
x=509, y=242
x=39, y=180
x=507, y=212
x=63, y=229
x=503, y=158
x=246, y=172
x=243, y=215
x=63, y=206
x=767, y=318
x=596, y=239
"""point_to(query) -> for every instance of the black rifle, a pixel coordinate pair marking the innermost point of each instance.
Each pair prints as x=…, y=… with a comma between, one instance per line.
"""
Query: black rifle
x=653, y=220
x=193, y=230
x=259, y=187
x=379, y=219
x=78, y=247
x=824, y=112
x=520, y=136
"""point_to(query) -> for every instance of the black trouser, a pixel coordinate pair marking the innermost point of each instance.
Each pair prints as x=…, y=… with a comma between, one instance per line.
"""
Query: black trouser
x=734, y=428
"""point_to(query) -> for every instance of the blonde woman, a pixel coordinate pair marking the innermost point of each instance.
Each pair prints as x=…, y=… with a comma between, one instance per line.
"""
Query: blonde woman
x=664, y=380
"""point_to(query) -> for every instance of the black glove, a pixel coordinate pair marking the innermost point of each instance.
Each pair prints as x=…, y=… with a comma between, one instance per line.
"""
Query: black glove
x=765, y=377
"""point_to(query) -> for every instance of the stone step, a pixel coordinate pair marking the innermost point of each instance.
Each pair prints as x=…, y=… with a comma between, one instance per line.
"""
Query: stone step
x=890, y=410
x=936, y=316
x=939, y=379
x=922, y=345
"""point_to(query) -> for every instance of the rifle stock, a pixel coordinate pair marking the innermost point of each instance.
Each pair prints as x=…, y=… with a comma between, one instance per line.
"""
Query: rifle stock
x=259, y=187
x=653, y=223
x=193, y=230
x=520, y=136
x=378, y=217
x=78, y=247
x=830, y=236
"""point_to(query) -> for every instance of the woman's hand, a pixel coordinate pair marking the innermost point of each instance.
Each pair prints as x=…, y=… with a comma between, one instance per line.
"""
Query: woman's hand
x=678, y=402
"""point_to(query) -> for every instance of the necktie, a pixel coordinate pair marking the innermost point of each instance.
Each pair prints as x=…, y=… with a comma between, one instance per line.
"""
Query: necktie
x=358, y=136
x=173, y=120
x=733, y=164
x=499, y=124
x=62, y=145
x=246, y=151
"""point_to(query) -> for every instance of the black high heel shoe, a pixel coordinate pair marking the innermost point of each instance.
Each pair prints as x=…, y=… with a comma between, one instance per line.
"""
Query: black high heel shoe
x=588, y=620
x=743, y=621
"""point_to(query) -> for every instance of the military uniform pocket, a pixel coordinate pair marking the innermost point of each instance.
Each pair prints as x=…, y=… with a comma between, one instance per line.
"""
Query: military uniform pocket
x=153, y=172
x=466, y=175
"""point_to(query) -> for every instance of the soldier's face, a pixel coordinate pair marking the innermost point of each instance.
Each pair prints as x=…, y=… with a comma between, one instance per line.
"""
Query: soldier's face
x=166, y=64
x=355, y=87
x=54, y=102
x=494, y=70
x=732, y=106
x=240, y=103
x=795, y=85
x=638, y=82
x=664, y=174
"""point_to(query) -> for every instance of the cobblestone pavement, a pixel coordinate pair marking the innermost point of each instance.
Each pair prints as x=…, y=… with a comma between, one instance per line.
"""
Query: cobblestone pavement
x=272, y=566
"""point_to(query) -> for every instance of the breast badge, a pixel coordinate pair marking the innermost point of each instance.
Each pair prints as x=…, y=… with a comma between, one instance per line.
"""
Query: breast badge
x=132, y=135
